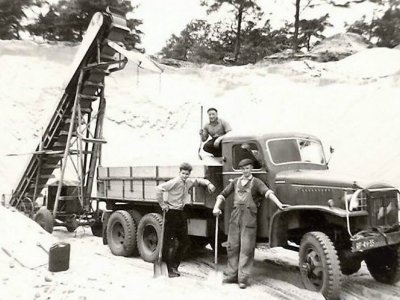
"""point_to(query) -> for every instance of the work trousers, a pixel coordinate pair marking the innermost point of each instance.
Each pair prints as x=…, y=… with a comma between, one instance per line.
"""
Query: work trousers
x=176, y=240
x=241, y=242
x=209, y=147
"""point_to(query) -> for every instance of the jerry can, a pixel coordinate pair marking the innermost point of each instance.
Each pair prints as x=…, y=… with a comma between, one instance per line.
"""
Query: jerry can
x=59, y=255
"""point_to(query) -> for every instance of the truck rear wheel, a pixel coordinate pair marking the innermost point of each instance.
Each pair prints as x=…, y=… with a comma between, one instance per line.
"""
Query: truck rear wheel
x=319, y=264
x=149, y=235
x=45, y=219
x=136, y=216
x=121, y=235
x=384, y=264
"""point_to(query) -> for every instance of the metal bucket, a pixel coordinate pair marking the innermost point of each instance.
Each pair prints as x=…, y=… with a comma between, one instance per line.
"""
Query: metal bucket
x=59, y=255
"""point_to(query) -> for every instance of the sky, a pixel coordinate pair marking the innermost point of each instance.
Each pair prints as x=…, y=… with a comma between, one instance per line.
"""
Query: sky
x=162, y=18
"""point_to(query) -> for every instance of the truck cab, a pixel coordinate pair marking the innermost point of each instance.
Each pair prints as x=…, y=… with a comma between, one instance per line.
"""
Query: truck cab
x=334, y=221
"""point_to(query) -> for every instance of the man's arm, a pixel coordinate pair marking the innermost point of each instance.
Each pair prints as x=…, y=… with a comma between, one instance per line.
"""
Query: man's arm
x=268, y=193
x=221, y=198
x=160, y=190
x=205, y=182
x=271, y=195
x=204, y=133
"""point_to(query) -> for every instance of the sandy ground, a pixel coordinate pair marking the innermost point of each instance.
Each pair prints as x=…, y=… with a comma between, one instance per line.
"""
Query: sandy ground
x=95, y=273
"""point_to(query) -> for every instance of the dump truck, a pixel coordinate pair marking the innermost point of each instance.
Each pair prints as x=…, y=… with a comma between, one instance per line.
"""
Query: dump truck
x=335, y=222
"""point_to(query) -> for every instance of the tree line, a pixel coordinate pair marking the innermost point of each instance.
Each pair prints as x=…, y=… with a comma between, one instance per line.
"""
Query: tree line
x=65, y=20
x=240, y=41
x=244, y=41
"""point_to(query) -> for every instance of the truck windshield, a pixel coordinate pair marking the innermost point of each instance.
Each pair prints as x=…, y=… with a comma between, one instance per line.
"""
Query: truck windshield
x=292, y=150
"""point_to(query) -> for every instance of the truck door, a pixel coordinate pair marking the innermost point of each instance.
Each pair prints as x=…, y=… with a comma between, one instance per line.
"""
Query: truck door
x=234, y=152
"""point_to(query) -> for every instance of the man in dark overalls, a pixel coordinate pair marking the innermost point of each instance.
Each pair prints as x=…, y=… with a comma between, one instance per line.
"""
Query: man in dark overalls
x=243, y=221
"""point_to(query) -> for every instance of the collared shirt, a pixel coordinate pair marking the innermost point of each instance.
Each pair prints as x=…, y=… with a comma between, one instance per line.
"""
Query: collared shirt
x=217, y=128
x=258, y=188
x=178, y=191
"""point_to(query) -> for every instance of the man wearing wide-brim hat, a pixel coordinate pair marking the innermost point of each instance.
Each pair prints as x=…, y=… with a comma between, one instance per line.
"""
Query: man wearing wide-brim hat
x=243, y=221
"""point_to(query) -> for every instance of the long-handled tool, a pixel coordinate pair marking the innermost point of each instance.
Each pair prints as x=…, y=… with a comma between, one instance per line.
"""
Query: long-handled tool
x=160, y=267
x=216, y=277
x=201, y=127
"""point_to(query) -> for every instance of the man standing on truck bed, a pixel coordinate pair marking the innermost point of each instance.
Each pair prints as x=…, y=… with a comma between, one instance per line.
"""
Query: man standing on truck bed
x=216, y=129
x=176, y=239
x=243, y=221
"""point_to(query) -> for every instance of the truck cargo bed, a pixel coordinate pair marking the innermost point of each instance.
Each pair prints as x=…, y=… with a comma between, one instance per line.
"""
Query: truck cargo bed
x=138, y=183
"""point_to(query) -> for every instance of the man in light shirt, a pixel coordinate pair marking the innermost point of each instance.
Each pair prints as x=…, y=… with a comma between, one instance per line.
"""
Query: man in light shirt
x=176, y=239
x=242, y=233
x=216, y=129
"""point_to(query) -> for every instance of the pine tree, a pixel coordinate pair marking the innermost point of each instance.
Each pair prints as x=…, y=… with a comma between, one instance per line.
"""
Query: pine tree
x=240, y=9
x=11, y=14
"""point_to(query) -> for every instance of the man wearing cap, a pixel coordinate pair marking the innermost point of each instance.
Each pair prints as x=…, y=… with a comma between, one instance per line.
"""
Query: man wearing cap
x=216, y=129
x=243, y=221
x=176, y=239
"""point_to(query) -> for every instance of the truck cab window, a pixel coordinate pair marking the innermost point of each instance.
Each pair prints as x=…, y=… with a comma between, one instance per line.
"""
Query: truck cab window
x=246, y=150
x=293, y=150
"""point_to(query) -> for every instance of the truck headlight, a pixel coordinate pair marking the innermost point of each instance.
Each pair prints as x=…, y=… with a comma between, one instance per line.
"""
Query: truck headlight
x=357, y=201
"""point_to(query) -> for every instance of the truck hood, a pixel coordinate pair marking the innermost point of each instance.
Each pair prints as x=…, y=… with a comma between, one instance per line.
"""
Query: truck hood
x=326, y=178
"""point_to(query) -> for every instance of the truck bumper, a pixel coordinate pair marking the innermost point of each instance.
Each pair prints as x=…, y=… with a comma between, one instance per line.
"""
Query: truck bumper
x=373, y=240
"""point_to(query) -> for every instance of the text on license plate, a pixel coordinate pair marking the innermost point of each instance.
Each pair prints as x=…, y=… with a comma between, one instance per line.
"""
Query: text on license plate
x=365, y=244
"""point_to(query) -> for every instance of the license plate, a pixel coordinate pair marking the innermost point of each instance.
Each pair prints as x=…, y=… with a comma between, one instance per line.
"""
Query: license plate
x=364, y=244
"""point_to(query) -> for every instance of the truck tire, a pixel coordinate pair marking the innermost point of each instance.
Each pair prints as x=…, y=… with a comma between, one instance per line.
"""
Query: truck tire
x=45, y=219
x=384, y=264
x=121, y=233
x=149, y=234
x=97, y=227
x=106, y=217
x=136, y=216
x=319, y=264
x=350, y=265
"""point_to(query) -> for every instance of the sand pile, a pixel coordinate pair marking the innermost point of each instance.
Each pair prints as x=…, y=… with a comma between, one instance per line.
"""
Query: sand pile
x=22, y=240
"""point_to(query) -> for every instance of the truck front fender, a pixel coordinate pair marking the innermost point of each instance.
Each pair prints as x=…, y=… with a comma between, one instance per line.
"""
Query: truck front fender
x=279, y=224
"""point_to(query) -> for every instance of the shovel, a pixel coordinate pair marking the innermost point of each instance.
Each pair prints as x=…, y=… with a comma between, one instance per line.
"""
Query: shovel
x=201, y=127
x=160, y=267
x=216, y=277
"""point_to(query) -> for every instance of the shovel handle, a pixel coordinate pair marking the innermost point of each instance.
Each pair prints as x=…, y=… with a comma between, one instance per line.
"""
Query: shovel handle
x=216, y=241
x=162, y=237
x=201, y=127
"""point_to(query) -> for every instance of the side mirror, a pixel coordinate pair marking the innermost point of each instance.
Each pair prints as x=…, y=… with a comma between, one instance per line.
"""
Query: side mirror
x=331, y=150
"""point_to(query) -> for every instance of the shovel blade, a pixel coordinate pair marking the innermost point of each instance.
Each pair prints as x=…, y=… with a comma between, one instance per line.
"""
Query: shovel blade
x=160, y=269
x=215, y=278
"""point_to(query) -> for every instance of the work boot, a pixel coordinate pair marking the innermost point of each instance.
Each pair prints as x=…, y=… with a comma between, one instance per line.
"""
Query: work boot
x=243, y=284
x=230, y=279
x=172, y=273
x=175, y=270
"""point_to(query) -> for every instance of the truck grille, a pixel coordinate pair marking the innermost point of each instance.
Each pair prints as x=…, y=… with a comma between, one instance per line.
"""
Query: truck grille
x=383, y=208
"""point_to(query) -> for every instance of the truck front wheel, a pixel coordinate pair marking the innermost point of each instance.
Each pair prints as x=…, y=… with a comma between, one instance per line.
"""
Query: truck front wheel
x=384, y=264
x=121, y=233
x=149, y=235
x=319, y=264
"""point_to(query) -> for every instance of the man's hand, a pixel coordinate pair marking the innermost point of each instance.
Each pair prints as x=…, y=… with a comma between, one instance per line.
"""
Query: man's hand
x=211, y=188
x=216, y=211
x=283, y=206
x=165, y=207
